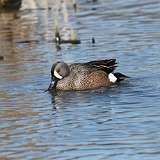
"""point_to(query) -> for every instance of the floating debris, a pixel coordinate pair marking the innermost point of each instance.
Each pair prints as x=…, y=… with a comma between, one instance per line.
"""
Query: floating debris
x=75, y=41
x=59, y=40
x=93, y=40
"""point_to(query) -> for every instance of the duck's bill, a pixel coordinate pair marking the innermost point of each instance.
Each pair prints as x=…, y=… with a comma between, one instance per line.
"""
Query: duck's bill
x=52, y=84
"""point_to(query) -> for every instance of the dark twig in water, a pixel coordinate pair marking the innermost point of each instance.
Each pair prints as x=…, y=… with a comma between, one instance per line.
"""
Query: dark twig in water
x=59, y=40
x=74, y=5
x=57, y=36
x=93, y=40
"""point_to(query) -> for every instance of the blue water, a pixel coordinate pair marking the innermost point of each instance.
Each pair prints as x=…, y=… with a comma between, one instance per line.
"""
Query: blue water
x=121, y=122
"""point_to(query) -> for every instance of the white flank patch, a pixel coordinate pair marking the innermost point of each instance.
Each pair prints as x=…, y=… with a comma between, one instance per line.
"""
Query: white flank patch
x=57, y=75
x=112, y=78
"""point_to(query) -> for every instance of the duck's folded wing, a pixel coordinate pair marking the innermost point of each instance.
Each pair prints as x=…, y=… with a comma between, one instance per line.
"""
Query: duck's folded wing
x=107, y=65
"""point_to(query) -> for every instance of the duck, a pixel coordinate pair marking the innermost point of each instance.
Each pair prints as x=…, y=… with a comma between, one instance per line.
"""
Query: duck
x=84, y=76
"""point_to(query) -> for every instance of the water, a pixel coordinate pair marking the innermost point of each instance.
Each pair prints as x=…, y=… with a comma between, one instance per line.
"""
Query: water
x=117, y=123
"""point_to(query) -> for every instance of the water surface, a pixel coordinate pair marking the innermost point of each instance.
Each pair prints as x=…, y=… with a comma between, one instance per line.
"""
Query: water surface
x=121, y=122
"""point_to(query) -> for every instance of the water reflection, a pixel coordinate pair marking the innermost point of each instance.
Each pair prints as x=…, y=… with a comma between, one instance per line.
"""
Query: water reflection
x=61, y=99
x=7, y=38
x=121, y=122
x=22, y=30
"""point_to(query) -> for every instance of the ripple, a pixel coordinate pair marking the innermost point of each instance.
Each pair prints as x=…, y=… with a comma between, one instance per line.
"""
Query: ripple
x=121, y=122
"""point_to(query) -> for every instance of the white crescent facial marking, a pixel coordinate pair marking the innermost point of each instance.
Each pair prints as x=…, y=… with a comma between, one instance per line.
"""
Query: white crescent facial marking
x=57, y=75
x=112, y=78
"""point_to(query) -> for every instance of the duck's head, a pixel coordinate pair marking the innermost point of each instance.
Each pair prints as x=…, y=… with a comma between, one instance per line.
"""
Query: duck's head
x=59, y=70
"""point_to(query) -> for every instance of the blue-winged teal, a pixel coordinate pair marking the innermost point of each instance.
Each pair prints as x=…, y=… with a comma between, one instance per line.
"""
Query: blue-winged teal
x=83, y=76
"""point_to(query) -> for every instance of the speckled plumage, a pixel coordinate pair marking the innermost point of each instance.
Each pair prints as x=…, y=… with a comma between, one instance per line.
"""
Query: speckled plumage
x=90, y=75
x=82, y=77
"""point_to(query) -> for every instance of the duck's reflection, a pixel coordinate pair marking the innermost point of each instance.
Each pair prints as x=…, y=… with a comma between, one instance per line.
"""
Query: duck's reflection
x=62, y=99
x=76, y=107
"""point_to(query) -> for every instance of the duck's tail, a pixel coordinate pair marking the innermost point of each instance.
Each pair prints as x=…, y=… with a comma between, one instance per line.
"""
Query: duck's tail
x=120, y=76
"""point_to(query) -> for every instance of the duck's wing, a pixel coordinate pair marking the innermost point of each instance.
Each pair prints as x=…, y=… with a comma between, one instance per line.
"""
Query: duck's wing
x=107, y=65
